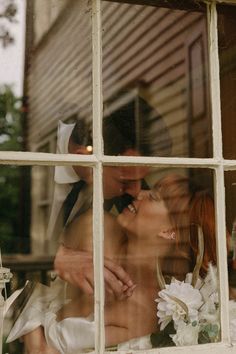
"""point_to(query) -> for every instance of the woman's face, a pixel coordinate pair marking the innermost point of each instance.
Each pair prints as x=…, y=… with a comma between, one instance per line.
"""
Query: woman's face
x=147, y=215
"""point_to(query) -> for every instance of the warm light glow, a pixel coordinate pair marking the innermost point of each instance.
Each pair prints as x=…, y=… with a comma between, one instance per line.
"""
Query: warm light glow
x=89, y=148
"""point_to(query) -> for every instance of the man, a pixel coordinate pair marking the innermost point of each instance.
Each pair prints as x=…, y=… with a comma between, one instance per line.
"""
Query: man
x=118, y=182
x=77, y=267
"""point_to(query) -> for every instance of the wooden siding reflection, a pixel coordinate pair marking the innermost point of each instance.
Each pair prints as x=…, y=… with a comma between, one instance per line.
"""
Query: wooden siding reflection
x=142, y=45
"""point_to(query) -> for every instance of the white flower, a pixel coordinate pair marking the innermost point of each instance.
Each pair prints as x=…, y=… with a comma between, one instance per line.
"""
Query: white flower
x=210, y=310
x=189, y=277
x=186, y=334
x=193, y=310
x=169, y=307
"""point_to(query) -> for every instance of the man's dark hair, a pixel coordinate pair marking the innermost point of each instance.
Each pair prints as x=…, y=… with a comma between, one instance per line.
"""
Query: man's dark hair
x=81, y=133
x=119, y=132
x=138, y=126
x=135, y=125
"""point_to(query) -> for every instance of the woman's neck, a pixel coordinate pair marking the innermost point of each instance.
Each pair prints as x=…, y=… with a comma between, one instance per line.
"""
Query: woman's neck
x=147, y=247
x=142, y=255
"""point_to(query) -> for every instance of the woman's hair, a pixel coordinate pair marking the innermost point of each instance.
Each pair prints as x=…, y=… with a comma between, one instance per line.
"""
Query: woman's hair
x=189, y=207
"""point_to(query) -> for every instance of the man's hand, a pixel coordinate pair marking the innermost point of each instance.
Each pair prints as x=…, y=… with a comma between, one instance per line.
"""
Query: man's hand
x=76, y=268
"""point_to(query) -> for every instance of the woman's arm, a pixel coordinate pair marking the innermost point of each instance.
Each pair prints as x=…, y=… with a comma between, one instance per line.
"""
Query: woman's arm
x=132, y=318
x=35, y=343
x=115, y=335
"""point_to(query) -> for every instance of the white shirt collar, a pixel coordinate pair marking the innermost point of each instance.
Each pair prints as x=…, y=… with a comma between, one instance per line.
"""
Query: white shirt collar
x=64, y=174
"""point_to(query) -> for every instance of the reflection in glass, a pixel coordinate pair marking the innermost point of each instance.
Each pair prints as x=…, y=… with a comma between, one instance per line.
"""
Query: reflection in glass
x=11, y=129
x=15, y=209
x=58, y=70
x=159, y=234
x=58, y=217
x=230, y=201
x=227, y=57
x=155, y=80
x=230, y=195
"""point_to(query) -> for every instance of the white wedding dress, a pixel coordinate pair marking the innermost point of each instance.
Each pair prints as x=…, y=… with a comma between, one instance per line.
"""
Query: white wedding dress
x=69, y=336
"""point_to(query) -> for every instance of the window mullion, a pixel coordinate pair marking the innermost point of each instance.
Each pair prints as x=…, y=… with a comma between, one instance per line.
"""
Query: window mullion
x=214, y=80
x=98, y=223
x=222, y=252
x=98, y=241
x=219, y=172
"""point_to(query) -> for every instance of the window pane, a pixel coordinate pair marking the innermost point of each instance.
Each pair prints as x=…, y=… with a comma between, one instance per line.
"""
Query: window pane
x=15, y=210
x=46, y=239
x=58, y=75
x=159, y=234
x=227, y=56
x=230, y=195
x=155, y=80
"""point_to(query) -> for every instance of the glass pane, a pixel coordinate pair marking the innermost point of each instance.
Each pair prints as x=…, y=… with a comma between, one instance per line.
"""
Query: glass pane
x=58, y=75
x=227, y=56
x=164, y=231
x=155, y=80
x=46, y=239
x=230, y=196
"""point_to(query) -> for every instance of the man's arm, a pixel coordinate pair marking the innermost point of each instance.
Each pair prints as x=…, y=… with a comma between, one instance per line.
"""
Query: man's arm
x=74, y=259
x=76, y=268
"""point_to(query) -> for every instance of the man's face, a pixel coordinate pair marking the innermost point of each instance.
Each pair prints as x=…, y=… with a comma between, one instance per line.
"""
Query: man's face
x=117, y=180
x=121, y=180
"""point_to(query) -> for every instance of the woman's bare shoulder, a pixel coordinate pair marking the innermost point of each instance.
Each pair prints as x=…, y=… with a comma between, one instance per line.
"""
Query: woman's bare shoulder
x=79, y=232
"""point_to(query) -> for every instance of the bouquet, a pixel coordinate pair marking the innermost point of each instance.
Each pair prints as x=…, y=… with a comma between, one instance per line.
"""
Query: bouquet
x=188, y=311
x=188, y=314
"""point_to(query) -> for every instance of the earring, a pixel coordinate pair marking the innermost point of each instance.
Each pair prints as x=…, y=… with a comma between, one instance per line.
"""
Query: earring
x=168, y=234
x=172, y=235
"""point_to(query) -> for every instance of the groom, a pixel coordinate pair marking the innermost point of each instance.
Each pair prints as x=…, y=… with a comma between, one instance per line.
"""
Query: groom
x=76, y=267
x=119, y=183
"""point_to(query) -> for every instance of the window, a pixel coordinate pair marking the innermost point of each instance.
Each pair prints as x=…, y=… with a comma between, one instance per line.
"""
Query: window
x=151, y=59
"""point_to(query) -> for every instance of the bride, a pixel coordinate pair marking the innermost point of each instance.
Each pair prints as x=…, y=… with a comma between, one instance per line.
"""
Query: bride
x=156, y=227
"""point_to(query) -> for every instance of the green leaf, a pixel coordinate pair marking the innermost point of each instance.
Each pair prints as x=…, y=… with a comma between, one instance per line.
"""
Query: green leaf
x=162, y=338
x=170, y=329
x=203, y=338
x=209, y=334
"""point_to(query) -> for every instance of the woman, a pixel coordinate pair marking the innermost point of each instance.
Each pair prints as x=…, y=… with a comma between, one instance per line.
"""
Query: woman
x=155, y=227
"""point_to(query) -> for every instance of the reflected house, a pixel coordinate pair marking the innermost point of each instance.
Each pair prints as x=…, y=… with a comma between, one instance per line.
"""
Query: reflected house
x=158, y=54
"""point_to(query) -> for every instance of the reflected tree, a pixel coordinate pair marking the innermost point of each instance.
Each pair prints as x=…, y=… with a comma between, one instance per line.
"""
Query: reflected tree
x=8, y=11
x=10, y=176
x=10, y=120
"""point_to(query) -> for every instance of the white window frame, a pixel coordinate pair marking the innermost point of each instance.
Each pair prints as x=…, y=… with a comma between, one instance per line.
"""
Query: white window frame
x=218, y=164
